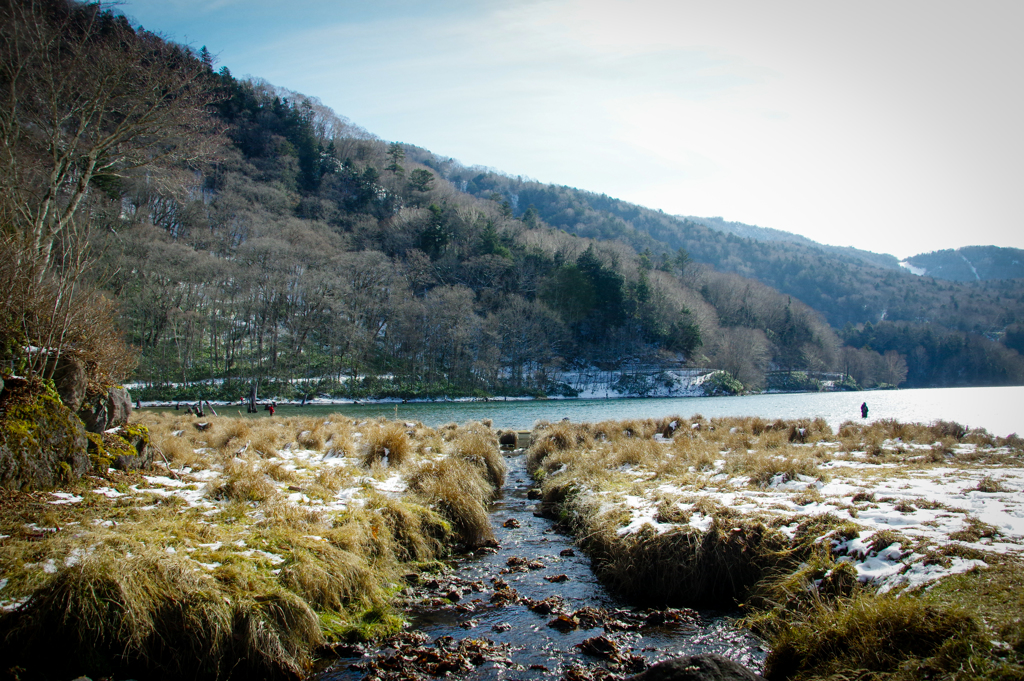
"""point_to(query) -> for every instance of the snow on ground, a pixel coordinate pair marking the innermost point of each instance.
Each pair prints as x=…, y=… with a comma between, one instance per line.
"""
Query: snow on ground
x=193, y=493
x=930, y=507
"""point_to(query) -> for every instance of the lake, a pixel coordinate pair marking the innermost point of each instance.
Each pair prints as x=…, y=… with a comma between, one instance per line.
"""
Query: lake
x=999, y=410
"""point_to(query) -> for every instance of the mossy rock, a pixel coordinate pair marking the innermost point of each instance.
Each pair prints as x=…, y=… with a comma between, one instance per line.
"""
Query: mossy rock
x=136, y=452
x=126, y=448
x=42, y=442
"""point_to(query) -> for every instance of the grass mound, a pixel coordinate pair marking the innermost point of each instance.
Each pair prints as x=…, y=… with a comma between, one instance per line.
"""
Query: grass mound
x=459, y=489
x=870, y=633
x=155, y=613
x=387, y=445
x=259, y=541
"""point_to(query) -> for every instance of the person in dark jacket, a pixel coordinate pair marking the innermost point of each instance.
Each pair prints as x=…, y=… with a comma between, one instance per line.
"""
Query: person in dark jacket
x=863, y=410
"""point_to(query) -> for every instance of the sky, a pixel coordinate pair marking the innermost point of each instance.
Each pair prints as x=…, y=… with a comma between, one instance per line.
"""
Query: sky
x=893, y=126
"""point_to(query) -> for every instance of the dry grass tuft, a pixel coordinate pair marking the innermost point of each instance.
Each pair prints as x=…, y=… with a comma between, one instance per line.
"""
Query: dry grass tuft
x=387, y=444
x=244, y=480
x=420, y=534
x=869, y=633
x=458, y=489
x=156, y=610
x=479, y=446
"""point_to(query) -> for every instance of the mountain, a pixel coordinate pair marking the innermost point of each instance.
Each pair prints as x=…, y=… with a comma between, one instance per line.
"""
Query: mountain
x=839, y=283
x=883, y=260
x=970, y=263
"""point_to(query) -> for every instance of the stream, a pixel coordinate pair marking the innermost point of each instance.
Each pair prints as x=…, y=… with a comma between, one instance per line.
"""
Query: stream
x=533, y=609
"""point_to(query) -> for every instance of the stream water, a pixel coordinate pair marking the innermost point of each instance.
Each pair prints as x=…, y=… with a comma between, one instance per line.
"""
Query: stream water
x=561, y=622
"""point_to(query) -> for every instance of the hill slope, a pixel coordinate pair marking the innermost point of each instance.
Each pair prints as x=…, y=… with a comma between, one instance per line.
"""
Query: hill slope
x=971, y=263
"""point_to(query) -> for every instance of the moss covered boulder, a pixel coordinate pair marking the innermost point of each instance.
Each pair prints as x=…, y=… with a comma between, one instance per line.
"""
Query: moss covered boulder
x=42, y=442
x=127, y=447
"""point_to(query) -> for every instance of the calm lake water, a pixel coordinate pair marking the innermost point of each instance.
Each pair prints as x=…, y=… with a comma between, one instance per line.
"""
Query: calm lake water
x=999, y=410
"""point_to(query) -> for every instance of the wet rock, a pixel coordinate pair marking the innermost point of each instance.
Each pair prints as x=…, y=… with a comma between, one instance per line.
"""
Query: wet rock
x=501, y=626
x=548, y=605
x=535, y=565
x=515, y=561
x=407, y=657
x=591, y=617
x=454, y=595
x=658, y=618
x=470, y=624
x=706, y=667
x=556, y=579
x=511, y=523
x=599, y=646
x=567, y=553
x=564, y=623
x=534, y=494
x=505, y=596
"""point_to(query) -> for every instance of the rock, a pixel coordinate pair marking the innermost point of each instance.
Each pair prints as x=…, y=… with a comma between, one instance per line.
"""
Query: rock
x=142, y=452
x=508, y=439
x=599, y=646
x=106, y=411
x=126, y=448
x=706, y=667
x=510, y=523
x=71, y=382
x=119, y=406
x=42, y=444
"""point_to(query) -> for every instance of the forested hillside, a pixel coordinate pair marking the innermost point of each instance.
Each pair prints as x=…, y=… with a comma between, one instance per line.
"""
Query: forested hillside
x=840, y=285
x=311, y=250
x=296, y=250
x=971, y=263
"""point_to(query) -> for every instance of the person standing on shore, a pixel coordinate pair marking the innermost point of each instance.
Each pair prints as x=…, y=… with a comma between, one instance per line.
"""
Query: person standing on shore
x=863, y=410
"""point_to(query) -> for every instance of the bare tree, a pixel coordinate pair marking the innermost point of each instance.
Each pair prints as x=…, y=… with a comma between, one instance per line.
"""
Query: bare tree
x=84, y=99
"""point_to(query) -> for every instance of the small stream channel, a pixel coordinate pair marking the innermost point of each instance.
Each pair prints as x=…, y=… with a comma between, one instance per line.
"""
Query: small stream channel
x=533, y=609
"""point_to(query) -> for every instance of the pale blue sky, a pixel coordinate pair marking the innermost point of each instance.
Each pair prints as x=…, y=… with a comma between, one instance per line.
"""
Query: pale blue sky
x=890, y=125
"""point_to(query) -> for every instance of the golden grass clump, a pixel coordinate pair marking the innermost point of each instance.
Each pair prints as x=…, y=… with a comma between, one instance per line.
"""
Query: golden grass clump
x=387, y=444
x=546, y=439
x=328, y=577
x=684, y=566
x=880, y=634
x=762, y=467
x=155, y=612
x=420, y=534
x=244, y=480
x=480, y=447
x=458, y=489
x=263, y=438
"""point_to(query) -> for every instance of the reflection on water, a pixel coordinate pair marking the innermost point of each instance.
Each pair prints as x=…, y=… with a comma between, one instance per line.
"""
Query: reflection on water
x=534, y=649
x=996, y=409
